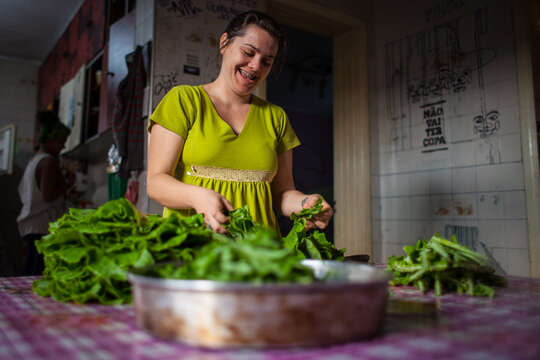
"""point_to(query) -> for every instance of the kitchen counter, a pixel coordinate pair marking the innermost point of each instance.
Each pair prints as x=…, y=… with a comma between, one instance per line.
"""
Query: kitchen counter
x=416, y=327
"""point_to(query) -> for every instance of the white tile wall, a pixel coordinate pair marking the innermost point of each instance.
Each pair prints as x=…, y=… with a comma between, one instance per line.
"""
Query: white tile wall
x=513, y=261
x=492, y=233
x=479, y=181
x=376, y=208
x=515, y=234
x=419, y=183
x=420, y=208
x=376, y=231
x=513, y=176
x=461, y=128
x=395, y=232
x=397, y=208
x=487, y=151
x=395, y=185
x=514, y=205
x=468, y=104
x=441, y=182
x=420, y=229
x=509, y=120
x=490, y=177
x=501, y=257
x=438, y=226
x=463, y=154
x=507, y=176
x=375, y=184
x=464, y=180
x=441, y=206
x=511, y=147
x=490, y=205
x=463, y=206
x=518, y=262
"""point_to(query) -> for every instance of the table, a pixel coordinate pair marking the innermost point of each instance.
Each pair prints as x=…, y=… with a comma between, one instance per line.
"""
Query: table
x=426, y=327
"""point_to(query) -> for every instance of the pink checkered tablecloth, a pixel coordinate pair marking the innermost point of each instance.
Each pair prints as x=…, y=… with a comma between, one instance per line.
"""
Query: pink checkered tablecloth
x=416, y=327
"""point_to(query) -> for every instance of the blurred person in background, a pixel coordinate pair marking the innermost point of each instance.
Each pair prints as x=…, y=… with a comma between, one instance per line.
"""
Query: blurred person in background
x=43, y=187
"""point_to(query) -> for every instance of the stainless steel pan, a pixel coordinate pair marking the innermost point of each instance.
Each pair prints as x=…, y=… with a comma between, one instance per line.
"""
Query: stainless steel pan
x=348, y=305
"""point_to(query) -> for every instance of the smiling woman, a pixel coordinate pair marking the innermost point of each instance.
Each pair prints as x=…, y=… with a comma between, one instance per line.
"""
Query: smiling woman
x=215, y=147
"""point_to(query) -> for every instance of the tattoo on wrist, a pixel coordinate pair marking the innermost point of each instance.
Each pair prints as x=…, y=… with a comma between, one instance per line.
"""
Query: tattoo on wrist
x=304, y=201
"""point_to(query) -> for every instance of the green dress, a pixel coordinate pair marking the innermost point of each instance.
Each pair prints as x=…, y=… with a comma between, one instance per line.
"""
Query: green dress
x=238, y=166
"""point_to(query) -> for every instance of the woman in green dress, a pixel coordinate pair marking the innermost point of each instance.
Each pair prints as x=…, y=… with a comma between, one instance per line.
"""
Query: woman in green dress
x=216, y=147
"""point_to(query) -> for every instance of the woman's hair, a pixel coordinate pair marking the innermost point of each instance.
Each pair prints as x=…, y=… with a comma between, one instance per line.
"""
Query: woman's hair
x=237, y=27
x=50, y=127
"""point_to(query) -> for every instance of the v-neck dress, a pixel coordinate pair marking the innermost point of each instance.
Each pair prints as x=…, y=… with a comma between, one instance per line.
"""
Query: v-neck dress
x=238, y=166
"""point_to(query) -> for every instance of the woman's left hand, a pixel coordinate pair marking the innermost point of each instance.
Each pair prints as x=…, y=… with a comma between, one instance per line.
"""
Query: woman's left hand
x=322, y=219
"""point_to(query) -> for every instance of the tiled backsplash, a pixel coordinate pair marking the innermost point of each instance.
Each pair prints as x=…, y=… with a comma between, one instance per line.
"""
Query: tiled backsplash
x=448, y=146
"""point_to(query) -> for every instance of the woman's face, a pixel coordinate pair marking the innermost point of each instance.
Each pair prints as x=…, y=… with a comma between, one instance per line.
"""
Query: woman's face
x=248, y=59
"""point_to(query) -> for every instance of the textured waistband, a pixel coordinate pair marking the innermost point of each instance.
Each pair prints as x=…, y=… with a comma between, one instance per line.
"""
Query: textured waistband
x=226, y=174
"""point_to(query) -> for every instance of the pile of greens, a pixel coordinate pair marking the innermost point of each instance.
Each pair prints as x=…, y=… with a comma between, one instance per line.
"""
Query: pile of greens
x=310, y=244
x=89, y=252
x=442, y=264
x=258, y=257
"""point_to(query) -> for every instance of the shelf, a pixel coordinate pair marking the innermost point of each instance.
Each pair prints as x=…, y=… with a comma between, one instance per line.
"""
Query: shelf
x=93, y=149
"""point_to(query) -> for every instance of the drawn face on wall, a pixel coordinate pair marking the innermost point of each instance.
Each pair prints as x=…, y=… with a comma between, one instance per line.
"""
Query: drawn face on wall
x=487, y=125
x=248, y=59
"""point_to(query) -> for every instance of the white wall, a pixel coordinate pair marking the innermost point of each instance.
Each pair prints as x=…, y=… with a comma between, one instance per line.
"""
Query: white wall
x=18, y=101
x=18, y=97
x=458, y=55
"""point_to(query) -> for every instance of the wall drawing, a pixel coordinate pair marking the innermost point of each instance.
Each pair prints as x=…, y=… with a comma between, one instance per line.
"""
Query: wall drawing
x=182, y=8
x=435, y=136
x=442, y=63
x=442, y=8
x=487, y=123
x=186, y=41
x=165, y=82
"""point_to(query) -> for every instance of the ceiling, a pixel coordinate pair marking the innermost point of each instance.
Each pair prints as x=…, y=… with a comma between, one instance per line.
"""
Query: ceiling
x=31, y=28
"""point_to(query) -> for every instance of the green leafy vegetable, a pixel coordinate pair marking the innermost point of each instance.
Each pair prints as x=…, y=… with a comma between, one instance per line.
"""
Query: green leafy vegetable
x=258, y=257
x=89, y=252
x=442, y=264
x=310, y=244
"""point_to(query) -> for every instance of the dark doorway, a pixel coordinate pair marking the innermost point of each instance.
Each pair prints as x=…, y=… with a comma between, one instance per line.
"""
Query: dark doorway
x=304, y=89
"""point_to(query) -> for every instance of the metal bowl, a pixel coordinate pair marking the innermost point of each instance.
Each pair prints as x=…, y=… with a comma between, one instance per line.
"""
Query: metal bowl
x=348, y=305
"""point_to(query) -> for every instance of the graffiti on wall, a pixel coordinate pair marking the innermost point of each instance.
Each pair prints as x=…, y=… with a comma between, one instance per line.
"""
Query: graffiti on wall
x=442, y=8
x=435, y=137
x=165, y=82
x=182, y=8
x=186, y=41
x=441, y=63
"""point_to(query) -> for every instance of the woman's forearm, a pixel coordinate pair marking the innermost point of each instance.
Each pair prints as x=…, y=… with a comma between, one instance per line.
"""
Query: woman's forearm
x=170, y=192
x=290, y=201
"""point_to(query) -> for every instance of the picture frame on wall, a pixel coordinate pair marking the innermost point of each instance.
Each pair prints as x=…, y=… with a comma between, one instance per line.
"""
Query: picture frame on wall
x=7, y=148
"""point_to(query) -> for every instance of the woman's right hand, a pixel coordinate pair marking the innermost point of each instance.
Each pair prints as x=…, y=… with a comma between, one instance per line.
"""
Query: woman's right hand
x=212, y=205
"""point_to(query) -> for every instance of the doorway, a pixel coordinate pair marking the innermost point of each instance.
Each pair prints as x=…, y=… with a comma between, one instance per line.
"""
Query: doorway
x=350, y=121
x=303, y=88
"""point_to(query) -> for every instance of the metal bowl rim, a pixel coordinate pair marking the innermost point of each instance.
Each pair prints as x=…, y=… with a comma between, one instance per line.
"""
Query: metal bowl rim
x=380, y=277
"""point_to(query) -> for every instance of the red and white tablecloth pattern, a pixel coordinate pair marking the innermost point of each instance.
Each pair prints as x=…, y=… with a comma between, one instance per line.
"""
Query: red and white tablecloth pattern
x=505, y=327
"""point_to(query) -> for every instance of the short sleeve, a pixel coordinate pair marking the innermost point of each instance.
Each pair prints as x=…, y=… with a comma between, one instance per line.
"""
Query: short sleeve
x=287, y=139
x=176, y=111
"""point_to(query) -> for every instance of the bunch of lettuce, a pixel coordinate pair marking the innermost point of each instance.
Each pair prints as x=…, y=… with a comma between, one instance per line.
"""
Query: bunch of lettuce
x=250, y=253
x=444, y=265
x=89, y=252
x=256, y=257
x=310, y=244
